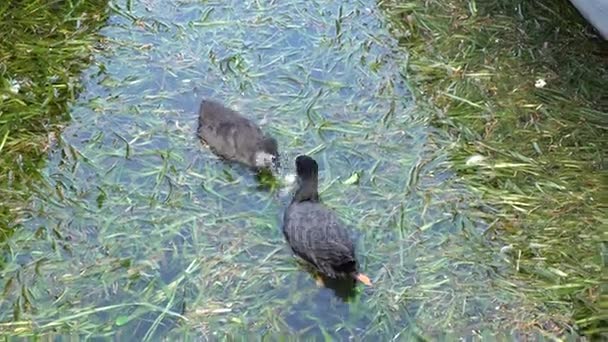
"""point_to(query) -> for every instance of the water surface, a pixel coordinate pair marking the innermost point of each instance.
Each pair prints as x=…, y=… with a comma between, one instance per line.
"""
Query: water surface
x=138, y=231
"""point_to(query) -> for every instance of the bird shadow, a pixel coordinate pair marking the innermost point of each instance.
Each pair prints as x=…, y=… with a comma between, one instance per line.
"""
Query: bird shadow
x=343, y=288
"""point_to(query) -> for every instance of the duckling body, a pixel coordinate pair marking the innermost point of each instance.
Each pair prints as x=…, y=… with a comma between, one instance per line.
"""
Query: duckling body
x=234, y=137
x=314, y=232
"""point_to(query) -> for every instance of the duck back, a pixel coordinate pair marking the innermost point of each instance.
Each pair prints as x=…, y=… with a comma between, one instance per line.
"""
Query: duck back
x=315, y=234
x=229, y=134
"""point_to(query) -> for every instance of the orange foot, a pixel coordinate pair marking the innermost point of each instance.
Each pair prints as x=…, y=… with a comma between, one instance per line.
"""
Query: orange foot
x=319, y=281
x=364, y=279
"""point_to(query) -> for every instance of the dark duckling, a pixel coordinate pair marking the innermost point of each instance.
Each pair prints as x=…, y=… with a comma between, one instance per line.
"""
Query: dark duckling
x=236, y=138
x=314, y=232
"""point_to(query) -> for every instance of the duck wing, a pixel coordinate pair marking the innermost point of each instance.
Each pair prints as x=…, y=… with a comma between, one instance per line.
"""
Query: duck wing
x=316, y=234
x=227, y=132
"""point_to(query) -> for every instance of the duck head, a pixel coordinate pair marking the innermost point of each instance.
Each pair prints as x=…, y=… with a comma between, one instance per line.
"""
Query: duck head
x=306, y=167
x=267, y=154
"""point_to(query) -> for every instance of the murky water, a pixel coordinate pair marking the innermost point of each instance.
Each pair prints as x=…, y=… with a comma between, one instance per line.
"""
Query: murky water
x=138, y=230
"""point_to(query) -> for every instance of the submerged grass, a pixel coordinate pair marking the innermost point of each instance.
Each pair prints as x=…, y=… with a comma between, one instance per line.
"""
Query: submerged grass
x=136, y=232
x=521, y=89
x=44, y=45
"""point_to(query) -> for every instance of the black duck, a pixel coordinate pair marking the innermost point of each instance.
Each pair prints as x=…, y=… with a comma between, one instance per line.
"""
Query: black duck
x=314, y=232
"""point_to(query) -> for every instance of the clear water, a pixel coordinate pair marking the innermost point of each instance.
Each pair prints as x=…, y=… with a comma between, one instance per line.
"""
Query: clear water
x=138, y=231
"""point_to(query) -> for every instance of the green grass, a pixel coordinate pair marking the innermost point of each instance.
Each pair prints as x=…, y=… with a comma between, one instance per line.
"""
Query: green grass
x=127, y=228
x=476, y=64
x=45, y=46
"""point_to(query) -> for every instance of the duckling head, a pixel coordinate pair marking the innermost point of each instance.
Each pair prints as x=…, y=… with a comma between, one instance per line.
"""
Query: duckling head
x=267, y=154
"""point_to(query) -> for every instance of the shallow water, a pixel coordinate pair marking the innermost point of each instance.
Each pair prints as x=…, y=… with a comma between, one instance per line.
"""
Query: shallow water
x=137, y=230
